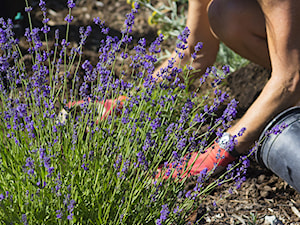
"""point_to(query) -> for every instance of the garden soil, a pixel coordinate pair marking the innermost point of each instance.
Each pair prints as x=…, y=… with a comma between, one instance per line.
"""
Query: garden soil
x=263, y=195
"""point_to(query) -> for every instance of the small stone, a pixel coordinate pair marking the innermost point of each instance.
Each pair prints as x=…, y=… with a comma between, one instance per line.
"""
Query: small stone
x=272, y=220
x=264, y=194
x=269, y=220
x=261, y=178
x=99, y=4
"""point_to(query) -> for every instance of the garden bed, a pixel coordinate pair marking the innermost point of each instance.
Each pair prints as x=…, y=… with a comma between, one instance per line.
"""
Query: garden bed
x=262, y=194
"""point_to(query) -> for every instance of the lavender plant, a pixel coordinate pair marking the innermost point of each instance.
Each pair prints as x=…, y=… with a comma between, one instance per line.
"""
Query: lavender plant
x=68, y=164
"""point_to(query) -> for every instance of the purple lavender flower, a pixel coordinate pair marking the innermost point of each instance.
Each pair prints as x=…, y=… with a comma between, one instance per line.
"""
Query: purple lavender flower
x=69, y=18
x=42, y=5
x=59, y=214
x=188, y=194
x=226, y=69
x=30, y=166
x=182, y=46
x=101, y=25
x=24, y=219
x=28, y=9
x=45, y=29
x=277, y=129
x=239, y=182
x=202, y=176
x=85, y=166
x=142, y=160
x=184, y=35
x=129, y=21
x=136, y=5
x=34, y=37
x=254, y=148
x=155, y=44
x=2, y=197
x=121, y=217
x=50, y=171
x=164, y=213
x=126, y=166
x=71, y=205
x=84, y=34
x=241, y=132
x=181, y=143
x=91, y=155
x=57, y=34
x=215, y=204
x=71, y=4
x=54, y=129
x=155, y=124
x=70, y=216
x=118, y=162
x=198, y=46
x=230, y=112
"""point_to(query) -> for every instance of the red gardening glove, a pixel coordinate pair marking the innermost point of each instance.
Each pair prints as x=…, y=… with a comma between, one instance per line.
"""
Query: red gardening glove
x=213, y=158
x=105, y=108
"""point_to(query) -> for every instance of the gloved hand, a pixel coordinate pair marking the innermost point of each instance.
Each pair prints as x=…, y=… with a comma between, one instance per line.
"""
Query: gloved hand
x=104, y=108
x=215, y=158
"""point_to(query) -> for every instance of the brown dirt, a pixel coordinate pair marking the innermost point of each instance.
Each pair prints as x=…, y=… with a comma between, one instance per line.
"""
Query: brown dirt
x=263, y=193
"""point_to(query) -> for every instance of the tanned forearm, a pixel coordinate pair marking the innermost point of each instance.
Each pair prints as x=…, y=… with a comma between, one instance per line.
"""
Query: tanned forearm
x=283, y=89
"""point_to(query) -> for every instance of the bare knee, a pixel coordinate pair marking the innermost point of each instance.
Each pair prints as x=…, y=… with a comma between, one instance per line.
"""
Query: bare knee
x=225, y=18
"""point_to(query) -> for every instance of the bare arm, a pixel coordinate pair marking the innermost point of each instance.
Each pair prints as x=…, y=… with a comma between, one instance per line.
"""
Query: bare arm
x=283, y=88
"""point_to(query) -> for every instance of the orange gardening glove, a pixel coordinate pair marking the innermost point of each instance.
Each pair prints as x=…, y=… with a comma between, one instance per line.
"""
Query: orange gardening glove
x=105, y=108
x=214, y=158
